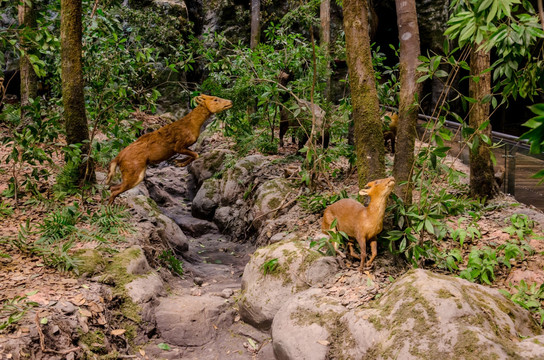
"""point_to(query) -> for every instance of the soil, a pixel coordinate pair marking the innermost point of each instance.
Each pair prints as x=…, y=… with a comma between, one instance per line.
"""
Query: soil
x=214, y=264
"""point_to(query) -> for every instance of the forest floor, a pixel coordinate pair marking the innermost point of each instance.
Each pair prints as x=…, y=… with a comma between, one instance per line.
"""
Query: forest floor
x=22, y=274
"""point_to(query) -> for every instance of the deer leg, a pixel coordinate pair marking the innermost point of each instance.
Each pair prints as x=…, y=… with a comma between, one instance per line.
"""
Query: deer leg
x=192, y=156
x=374, y=250
x=130, y=180
x=352, y=252
x=362, y=245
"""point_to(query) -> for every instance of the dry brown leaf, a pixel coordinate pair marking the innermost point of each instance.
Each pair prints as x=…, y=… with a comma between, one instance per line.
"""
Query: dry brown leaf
x=85, y=312
x=118, y=332
x=323, y=342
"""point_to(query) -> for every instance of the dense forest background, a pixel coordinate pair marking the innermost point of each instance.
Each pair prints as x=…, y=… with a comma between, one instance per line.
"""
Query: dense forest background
x=316, y=82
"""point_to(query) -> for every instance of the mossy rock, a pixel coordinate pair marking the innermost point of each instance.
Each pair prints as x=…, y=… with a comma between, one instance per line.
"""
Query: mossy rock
x=430, y=316
x=90, y=261
x=263, y=294
x=269, y=197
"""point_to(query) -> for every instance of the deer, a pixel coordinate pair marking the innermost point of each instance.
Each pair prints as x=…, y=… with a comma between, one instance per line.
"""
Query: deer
x=162, y=144
x=391, y=134
x=363, y=223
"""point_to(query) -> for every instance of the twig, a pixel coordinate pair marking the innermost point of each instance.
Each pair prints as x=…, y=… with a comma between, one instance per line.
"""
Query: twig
x=94, y=8
x=282, y=205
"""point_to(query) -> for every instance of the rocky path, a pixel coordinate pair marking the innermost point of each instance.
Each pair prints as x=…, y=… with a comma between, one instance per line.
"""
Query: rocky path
x=199, y=319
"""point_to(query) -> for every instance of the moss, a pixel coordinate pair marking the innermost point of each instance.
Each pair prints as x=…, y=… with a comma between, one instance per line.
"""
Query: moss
x=91, y=261
x=95, y=341
x=444, y=294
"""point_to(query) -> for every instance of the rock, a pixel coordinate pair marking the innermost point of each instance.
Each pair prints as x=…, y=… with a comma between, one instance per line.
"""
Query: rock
x=167, y=183
x=227, y=293
x=191, y=321
x=303, y=326
x=138, y=265
x=206, y=200
x=321, y=269
x=166, y=229
x=145, y=288
x=451, y=318
x=224, y=216
x=236, y=179
x=268, y=197
x=208, y=164
x=193, y=226
x=171, y=234
x=262, y=295
x=66, y=307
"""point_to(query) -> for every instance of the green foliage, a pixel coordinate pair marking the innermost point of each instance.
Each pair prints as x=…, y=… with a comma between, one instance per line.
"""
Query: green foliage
x=268, y=267
x=13, y=310
x=512, y=29
x=62, y=228
x=521, y=226
x=317, y=202
x=171, y=262
x=31, y=148
x=5, y=210
x=335, y=239
x=529, y=297
x=481, y=265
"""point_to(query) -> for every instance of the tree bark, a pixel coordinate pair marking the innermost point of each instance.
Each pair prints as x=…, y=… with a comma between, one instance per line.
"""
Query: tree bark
x=364, y=97
x=29, y=80
x=255, y=23
x=482, y=182
x=77, y=130
x=409, y=94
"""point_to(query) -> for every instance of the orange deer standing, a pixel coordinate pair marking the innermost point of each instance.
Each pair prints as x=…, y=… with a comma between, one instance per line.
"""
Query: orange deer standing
x=162, y=144
x=361, y=222
x=391, y=134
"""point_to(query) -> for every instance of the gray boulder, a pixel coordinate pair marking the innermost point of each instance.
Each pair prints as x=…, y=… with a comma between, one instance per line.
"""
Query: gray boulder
x=303, y=326
x=192, y=320
x=268, y=197
x=237, y=179
x=430, y=316
x=208, y=164
x=263, y=294
x=206, y=200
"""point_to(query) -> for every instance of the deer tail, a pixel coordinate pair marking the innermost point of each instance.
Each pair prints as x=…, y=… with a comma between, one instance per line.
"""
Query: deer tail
x=111, y=172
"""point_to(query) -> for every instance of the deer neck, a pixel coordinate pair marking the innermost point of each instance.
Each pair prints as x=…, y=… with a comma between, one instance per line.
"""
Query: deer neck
x=377, y=206
x=196, y=118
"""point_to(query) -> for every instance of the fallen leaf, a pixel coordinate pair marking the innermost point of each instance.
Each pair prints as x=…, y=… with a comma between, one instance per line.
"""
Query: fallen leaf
x=323, y=342
x=142, y=352
x=118, y=332
x=85, y=312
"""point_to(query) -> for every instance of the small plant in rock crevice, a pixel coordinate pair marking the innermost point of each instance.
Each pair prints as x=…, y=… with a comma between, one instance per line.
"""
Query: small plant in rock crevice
x=268, y=267
x=171, y=262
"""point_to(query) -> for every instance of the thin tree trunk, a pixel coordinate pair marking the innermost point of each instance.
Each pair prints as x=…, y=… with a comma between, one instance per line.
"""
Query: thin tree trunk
x=482, y=182
x=409, y=94
x=77, y=130
x=325, y=39
x=29, y=80
x=540, y=12
x=255, y=23
x=368, y=128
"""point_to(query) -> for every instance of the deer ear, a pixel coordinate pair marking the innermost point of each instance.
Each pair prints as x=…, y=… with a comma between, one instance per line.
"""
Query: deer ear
x=363, y=192
x=199, y=100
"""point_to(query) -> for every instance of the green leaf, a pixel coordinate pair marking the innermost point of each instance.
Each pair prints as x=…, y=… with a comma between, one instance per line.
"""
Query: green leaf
x=163, y=346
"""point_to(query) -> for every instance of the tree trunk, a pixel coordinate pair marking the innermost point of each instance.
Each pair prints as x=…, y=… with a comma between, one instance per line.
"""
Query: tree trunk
x=324, y=41
x=255, y=23
x=482, y=182
x=77, y=130
x=364, y=97
x=409, y=93
x=29, y=80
